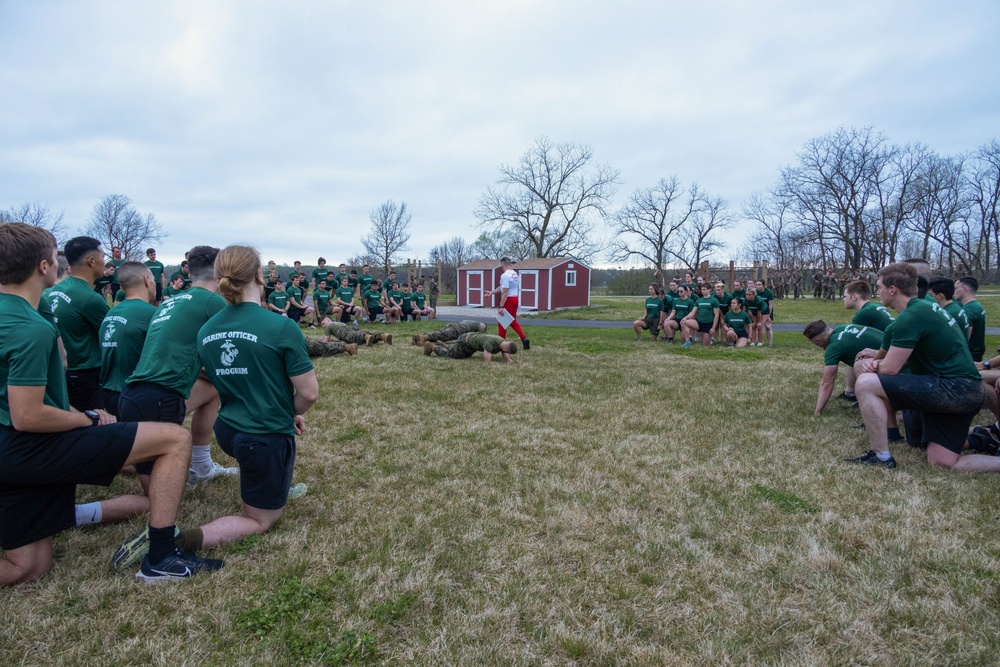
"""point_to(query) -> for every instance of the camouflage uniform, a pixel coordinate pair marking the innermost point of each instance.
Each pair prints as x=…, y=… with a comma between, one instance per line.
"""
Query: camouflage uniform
x=463, y=348
x=453, y=331
x=350, y=333
x=317, y=348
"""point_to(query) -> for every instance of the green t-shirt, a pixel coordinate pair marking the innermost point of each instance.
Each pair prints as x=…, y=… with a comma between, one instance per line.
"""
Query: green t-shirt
x=419, y=299
x=407, y=300
x=120, y=296
x=295, y=294
x=738, y=322
x=156, y=268
x=169, y=291
x=365, y=280
x=395, y=295
x=954, y=308
x=78, y=312
x=847, y=340
x=768, y=295
x=345, y=294
x=352, y=283
x=682, y=307
x=484, y=342
x=755, y=306
x=117, y=263
x=372, y=298
x=740, y=294
x=249, y=355
x=122, y=335
x=706, y=306
x=170, y=355
x=654, y=305
x=337, y=277
x=936, y=340
x=186, y=277
x=318, y=274
x=724, y=301
x=976, y=316
x=29, y=355
x=278, y=299
x=873, y=315
x=321, y=301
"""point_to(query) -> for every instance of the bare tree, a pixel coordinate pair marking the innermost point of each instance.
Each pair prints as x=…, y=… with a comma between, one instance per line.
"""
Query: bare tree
x=38, y=215
x=984, y=195
x=499, y=244
x=451, y=255
x=552, y=199
x=389, y=233
x=650, y=222
x=116, y=223
x=699, y=238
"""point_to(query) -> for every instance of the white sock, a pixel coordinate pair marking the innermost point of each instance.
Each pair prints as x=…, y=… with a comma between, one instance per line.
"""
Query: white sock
x=883, y=456
x=88, y=513
x=201, y=459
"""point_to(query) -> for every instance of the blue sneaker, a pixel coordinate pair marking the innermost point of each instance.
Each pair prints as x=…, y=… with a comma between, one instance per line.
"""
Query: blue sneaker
x=687, y=344
x=175, y=566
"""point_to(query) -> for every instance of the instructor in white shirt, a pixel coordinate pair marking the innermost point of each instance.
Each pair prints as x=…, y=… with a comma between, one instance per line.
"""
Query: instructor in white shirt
x=509, y=290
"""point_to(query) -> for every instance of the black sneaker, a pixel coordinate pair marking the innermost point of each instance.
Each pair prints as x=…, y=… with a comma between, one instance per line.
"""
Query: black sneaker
x=176, y=565
x=526, y=343
x=848, y=395
x=871, y=459
x=984, y=441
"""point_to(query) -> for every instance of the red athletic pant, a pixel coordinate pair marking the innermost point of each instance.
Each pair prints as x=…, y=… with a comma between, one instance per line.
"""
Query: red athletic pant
x=510, y=305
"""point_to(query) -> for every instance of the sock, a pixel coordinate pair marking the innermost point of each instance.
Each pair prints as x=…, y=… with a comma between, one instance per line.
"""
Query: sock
x=88, y=514
x=201, y=459
x=883, y=456
x=161, y=543
x=894, y=433
x=191, y=539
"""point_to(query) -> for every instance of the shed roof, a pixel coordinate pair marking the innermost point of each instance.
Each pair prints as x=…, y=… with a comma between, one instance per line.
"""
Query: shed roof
x=530, y=263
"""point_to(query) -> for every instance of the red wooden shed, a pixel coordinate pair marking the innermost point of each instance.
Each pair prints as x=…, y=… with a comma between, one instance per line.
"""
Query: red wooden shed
x=546, y=283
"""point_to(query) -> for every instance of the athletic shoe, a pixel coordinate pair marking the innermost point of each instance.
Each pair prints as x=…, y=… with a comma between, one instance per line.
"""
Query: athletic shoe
x=711, y=341
x=687, y=344
x=312, y=326
x=984, y=440
x=526, y=343
x=134, y=549
x=848, y=395
x=351, y=349
x=297, y=491
x=387, y=338
x=428, y=349
x=760, y=344
x=175, y=566
x=216, y=471
x=872, y=459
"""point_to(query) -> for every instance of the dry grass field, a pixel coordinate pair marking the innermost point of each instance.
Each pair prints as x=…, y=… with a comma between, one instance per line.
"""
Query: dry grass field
x=600, y=502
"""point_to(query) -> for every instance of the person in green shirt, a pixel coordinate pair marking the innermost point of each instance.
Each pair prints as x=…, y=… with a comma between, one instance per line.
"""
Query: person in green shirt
x=47, y=449
x=420, y=306
x=319, y=273
x=965, y=292
x=184, y=273
x=680, y=308
x=943, y=291
x=857, y=297
x=724, y=298
x=166, y=385
x=321, y=300
x=754, y=305
x=842, y=346
x=123, y=331
x=266, y=384
x=394, y=301
x=372, y=301
x=365, y=281
x=343, y=300
x=175, y=287
x=738, y=291
x=469, y=343
x=116, y=260
x=103, y=284
x=157, y=269
x=297, y=307
x=943, y=387
x=737, y=323
x=703, y=318
x=278, y=301
x=296, y=271
x=406, y=302
x=78, y=312
x=651, y=320
x=341, y=273
x=767, y=312
x=272, y=280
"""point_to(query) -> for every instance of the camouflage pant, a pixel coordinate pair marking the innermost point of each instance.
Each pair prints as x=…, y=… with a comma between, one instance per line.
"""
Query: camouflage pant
x=317, y=348
x=458, y=349
x=349, y=334
x=448, y=332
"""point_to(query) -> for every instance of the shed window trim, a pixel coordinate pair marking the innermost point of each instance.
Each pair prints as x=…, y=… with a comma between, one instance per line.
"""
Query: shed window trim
x=571, y=279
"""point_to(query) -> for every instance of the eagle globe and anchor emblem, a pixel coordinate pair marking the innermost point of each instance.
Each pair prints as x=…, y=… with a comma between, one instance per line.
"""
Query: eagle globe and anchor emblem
x=110, y=332
x=229, y=353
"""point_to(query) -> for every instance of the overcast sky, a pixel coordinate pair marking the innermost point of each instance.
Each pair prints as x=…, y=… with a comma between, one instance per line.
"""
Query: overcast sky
x=283, y=124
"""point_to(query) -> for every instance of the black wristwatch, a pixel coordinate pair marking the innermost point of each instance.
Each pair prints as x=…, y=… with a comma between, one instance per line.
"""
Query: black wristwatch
x=986, y=364
x=94, y=415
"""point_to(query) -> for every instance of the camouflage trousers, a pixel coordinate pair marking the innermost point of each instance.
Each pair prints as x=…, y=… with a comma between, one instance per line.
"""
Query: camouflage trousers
x=317, y=348
x=349, y=333
x=458, y=349
x=448, y=332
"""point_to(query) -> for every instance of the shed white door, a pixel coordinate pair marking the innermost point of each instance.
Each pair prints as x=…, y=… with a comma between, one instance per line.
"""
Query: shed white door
x=474, y=288
x=529, y=290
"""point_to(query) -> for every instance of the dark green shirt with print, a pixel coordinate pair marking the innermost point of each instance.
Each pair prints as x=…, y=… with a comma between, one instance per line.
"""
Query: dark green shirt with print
x=872, y=315
x=29, y=355
x=977, y=324
x=122, y=335
x=654, y=306
x=682, y=307
x=278, y=299
x=738, y=322
x=78, y=312
x=849, y=339
x=706, y=306
x=936, y=340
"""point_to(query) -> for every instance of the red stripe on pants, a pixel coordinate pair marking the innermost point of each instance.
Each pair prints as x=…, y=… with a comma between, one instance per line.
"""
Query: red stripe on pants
x=510, y=305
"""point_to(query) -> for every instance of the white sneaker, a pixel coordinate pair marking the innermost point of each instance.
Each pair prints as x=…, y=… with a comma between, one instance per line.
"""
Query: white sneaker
x=216, y=471
x=298, y=490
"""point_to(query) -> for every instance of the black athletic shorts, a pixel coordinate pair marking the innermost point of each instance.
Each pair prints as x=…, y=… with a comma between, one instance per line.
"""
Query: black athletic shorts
x=705, y=327
x=947, y=406
x=109, y=401
x=84, y=388
x=147, y=402
x=39, y=473
x=741, y=334
x=159, y=292
x=374, y=311
x=266, y=463
x=295, y=314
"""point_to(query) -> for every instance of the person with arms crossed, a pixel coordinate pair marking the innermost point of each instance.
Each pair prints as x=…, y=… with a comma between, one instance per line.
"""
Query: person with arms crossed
x=47, y=448
x=509, y=291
